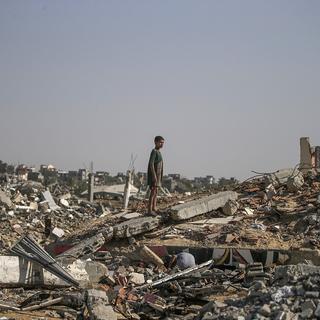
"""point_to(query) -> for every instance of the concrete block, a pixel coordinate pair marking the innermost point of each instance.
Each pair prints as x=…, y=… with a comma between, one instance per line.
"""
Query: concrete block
x=57, y=232
x=137, y=278
x=98, y=306
x=197, y=207
x=5, y=199
x=48, y=197
x=96, y=271
x=230, y=208
x=135, y=226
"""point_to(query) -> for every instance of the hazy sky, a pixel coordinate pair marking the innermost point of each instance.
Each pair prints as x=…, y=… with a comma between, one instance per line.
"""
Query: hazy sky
x=231, y=85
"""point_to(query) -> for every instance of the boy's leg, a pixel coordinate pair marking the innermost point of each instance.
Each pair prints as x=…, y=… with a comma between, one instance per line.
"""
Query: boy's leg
x=151, y=199
x=154, y=203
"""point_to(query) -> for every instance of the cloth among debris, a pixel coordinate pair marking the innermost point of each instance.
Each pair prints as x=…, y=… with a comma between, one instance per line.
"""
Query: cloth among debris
x=185, y=260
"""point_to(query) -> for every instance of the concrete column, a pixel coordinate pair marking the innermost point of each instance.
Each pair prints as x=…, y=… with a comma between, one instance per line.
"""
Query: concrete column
x=127, y=190
x=305, y=155
x=90, y=186
x=317, y=157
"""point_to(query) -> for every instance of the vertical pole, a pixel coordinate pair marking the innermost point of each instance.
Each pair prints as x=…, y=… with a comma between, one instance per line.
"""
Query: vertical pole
x=127, y=190
x=91, y=183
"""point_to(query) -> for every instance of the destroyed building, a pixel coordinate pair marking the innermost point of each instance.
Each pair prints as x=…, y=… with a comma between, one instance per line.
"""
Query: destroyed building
x=256, y=249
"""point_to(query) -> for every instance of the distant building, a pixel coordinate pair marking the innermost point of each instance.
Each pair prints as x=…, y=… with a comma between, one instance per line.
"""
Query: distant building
x=73, y=174
x=22, y=172
x=210, y=179
x=35, y=176
x=175, y=176
x=101, y=177
x=83, y=174
x=45, y=168
x=63, y=175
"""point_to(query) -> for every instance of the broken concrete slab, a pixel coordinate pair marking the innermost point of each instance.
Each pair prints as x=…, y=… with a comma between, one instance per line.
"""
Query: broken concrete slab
x=131, y=215
x=114, y=190
x=225, y=220
x=135, y=226
x=5, y=199
x=98, y=305
x=18, y=272
x=197, y=207
x=84, y=248
x=48, y=197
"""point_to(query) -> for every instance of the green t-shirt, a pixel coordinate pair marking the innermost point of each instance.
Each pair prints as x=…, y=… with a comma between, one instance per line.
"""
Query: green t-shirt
x=155, y=168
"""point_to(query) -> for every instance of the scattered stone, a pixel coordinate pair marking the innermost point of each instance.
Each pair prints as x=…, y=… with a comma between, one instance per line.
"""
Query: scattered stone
x=137, y=278
x=57, y=232
x=265, y=310
x=64, y=203
x=230, y=208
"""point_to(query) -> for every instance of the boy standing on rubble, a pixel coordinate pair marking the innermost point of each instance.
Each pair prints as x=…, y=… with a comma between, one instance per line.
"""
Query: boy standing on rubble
x=155, y=173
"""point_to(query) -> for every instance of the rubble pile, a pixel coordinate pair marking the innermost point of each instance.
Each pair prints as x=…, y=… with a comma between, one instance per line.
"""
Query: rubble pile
x=116, y=259
x=292, y=294
x=29, y=208
x=267, y=214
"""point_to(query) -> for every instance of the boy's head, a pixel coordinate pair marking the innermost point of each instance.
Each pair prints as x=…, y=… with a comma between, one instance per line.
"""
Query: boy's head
x=158, y=141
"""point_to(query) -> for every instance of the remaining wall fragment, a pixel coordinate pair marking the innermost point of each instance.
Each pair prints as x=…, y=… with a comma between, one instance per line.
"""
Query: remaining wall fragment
x=206, y=204
x=317, y=157
x=305, y=155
